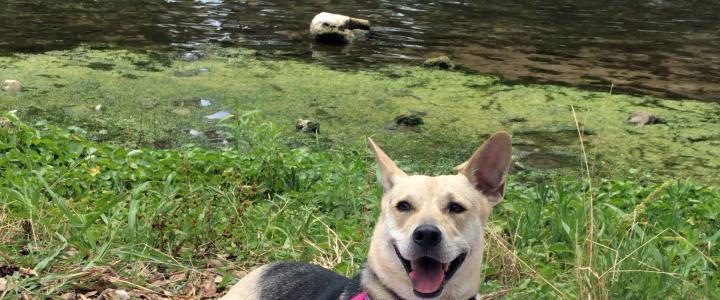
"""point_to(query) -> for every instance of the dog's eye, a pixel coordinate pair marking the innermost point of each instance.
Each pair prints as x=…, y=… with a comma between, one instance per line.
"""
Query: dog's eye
x=456, y=208
x=403, y=206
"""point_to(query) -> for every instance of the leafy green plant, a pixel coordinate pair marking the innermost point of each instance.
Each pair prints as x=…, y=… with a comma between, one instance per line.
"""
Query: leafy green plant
x=71, y=208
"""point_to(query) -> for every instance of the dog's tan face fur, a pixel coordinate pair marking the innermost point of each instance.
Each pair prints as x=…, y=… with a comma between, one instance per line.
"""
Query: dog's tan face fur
x=457, y=205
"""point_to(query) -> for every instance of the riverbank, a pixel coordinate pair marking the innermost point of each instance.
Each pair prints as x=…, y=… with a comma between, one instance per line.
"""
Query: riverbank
x=81, y=219
x=153, y=99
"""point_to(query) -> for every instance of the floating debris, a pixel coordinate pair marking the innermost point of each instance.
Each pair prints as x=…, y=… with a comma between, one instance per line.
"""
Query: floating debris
x=218, y=115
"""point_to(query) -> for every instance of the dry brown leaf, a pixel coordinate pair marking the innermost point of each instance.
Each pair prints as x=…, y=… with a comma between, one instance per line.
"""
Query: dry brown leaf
x=70, y=253
x=209, y=289
x=90, y=294
x=68, y=296
x=113, y=294
x=27, y=272
x=215, y=263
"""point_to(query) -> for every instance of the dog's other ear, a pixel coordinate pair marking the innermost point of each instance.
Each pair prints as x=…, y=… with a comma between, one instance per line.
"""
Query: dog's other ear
x=488, y=167
x=389, y=171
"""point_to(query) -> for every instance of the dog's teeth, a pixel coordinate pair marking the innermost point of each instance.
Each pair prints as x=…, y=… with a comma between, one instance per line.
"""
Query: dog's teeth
x=446, y=267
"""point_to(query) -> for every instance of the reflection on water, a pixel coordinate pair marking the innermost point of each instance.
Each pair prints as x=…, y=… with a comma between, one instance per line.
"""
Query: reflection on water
x=666, y=47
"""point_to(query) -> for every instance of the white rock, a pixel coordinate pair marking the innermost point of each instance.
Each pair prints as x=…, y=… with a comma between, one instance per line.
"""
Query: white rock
x=12, y=86
x=98, y=107
x=642, y=118
x=337, y=29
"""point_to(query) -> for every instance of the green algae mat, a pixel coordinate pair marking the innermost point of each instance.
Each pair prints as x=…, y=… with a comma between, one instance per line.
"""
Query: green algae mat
x=160, y=100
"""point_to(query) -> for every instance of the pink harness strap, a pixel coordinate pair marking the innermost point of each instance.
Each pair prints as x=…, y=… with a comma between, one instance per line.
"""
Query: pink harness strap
x=361, y=296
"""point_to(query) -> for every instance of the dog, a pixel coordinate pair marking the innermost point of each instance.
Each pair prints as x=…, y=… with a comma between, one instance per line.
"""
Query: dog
x=427, y=244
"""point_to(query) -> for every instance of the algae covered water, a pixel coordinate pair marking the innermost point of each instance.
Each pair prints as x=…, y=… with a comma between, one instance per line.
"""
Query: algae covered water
x=659, y=47
x=147, y=99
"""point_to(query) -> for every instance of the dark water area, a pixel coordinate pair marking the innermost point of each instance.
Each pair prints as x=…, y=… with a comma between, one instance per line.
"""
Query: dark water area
x=659, y=47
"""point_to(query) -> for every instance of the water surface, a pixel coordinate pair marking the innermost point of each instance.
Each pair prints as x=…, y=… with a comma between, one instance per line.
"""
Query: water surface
x=659, y=47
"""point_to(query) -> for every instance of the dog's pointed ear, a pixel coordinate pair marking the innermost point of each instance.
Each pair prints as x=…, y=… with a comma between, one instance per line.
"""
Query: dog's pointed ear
x=488, y=167
x=389, y=171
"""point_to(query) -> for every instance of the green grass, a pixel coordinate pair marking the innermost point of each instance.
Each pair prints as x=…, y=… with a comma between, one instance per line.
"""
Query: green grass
x=139, y=93
x=86, y=216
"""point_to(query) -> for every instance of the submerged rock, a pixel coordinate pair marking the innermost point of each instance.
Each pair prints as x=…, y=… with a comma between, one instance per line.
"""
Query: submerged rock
x=191, y=55
x=440, y=62
x=12, y=86
x=642, y=118
x=308, y=126
x=410, y=119
x=338, y=29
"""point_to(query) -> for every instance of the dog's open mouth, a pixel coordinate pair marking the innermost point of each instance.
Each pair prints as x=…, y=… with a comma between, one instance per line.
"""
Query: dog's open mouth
x=428, y=275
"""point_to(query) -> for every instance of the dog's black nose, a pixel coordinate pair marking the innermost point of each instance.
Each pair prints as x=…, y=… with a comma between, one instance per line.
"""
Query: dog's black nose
x=427, y=236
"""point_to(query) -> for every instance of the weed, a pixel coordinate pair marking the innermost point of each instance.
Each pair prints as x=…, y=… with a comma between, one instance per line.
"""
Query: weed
x=79, y=216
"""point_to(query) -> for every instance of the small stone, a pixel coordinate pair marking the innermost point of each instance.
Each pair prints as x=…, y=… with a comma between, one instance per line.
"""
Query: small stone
x=440, y=62
x=331, y=28
x=642, y=118
x=112, y=294
x=98, y=107
x=308, y=126
x=192, y=55
x=12, y=86
x=410, y=119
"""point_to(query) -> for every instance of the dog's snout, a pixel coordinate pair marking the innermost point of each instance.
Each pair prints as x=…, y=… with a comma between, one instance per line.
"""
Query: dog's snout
x=427, y=236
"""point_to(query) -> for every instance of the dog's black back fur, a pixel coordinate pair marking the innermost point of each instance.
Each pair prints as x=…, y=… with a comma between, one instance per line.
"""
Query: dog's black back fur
x=293, y=280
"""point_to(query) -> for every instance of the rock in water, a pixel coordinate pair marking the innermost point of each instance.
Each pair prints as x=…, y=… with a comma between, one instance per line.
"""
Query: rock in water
x=642, y=118
x=337, y=29
x=410, y=119
x=12, y=86
x=308, y=126
x=440, y=62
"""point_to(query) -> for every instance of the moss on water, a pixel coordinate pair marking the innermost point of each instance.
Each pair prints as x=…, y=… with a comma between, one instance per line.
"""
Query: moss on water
x=139, y=93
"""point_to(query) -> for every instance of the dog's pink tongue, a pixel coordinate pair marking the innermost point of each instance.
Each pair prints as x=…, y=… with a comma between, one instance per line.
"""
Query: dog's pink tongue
x=427, y=277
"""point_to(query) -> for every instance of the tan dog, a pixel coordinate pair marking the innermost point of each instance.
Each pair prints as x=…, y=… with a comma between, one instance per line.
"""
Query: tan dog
x=427, y=244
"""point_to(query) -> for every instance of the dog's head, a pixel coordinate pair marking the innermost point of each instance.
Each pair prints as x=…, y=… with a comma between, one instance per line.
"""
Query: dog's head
x=428, y=241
